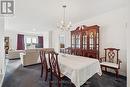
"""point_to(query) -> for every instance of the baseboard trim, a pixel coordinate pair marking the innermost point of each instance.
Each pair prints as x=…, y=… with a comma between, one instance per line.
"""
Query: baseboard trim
x=32, y=64
x=14, y=59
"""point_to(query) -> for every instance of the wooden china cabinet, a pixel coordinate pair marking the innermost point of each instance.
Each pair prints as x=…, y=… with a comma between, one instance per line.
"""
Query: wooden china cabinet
x=85, y=41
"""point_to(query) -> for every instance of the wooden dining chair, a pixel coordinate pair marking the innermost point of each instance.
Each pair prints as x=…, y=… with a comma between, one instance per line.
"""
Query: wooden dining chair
x=44, y=66
x=111, y=60
x=54, y=68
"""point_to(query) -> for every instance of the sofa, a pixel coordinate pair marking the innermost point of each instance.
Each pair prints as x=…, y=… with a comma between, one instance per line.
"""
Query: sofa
x=32, y=56
x=13, y=54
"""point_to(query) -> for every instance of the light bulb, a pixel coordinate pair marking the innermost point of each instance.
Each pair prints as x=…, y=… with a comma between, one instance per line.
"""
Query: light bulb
x=62, y=22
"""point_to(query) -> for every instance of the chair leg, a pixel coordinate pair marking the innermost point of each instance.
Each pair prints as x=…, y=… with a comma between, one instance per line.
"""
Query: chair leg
x=117, y=73
x=51, y=76
x=51, y=80
x=71, y=84
x=41, y=71
x=50, y=83
x=101, y=68
x=105, y=69
x=59, y=83
x=46, y=75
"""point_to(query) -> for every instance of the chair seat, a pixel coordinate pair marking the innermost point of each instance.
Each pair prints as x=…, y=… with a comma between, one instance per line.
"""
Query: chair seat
x=114, y=65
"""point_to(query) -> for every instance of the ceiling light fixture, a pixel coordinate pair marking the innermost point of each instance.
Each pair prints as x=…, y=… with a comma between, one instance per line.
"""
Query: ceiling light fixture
x=64, y=26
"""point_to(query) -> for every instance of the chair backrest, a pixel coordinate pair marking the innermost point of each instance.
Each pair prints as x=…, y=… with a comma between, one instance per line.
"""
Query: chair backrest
x=111, y=55
x=43, y=59
x=54, y=65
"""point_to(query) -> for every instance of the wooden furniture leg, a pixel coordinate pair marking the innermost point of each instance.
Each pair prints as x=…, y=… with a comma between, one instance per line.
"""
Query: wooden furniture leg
x=59, y=83
x=46, y=75
x=106, y=69
x=42, y=71
x=117, y=73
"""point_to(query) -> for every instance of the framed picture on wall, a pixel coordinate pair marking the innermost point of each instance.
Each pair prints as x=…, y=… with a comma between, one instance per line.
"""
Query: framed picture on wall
x=62, y=41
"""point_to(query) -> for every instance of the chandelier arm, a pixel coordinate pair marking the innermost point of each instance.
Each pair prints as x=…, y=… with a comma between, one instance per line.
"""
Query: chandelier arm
x=64, y=26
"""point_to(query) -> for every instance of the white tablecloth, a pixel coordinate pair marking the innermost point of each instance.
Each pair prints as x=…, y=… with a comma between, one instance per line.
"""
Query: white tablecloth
x=79, y=69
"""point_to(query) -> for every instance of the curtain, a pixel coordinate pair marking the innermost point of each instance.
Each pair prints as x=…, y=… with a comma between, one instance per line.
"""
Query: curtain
x=40, y=41
x=20, y=42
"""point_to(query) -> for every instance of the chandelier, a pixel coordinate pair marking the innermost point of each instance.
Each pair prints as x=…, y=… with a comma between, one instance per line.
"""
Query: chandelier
x=63, y=25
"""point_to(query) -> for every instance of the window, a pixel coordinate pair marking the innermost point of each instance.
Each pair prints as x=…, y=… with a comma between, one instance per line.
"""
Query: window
x=28, y=40
x=31, y=42
x=34, y=40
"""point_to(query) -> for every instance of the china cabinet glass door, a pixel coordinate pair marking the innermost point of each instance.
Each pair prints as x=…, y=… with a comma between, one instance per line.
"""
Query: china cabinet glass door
x=91, y=41
x=84, y=40
x=73, y=41
x=77, y=41
x=97, y=39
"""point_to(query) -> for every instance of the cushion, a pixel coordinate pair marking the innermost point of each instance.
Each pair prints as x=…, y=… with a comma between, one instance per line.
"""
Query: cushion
x=114, y=65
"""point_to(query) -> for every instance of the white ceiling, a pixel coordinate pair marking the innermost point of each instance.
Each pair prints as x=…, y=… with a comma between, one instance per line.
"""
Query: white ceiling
x=43, y=15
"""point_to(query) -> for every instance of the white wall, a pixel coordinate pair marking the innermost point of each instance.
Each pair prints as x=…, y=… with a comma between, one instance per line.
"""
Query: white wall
x=128, y=56
x=47, y=38
x=50, y=39
x=2, y=52
x=128, y=49
x=55, y=40
x=112, y=32
x=1, y=37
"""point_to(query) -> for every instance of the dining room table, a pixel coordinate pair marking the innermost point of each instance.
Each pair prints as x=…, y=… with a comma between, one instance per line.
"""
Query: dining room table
x=78, y=68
